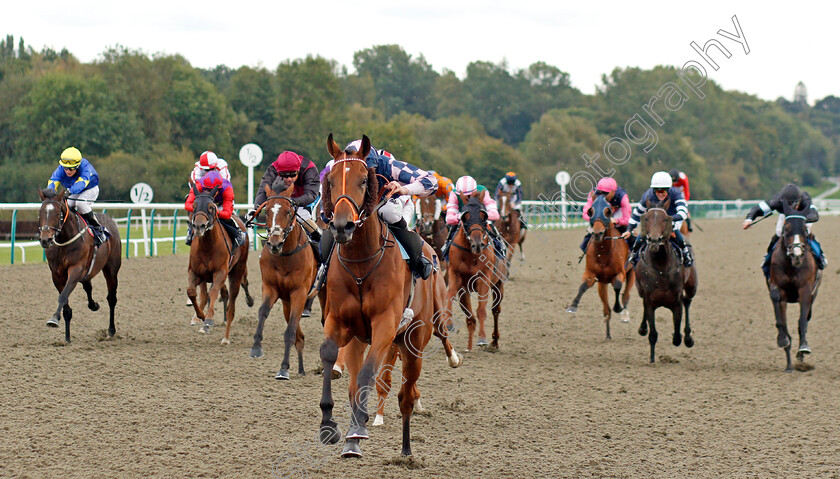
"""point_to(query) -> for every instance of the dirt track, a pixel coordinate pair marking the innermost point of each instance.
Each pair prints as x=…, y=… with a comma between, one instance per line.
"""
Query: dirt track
x=557, y=401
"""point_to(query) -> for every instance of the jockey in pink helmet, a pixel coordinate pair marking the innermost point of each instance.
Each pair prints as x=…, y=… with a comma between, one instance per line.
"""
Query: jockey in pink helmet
x=618, y=200
x=465, y=188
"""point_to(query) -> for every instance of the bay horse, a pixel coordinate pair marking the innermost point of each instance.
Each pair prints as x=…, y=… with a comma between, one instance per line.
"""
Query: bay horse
x=794, y=277
x=213, y=259
x=432, y=230
x=510, y=226
x=475, y=268
x=606, y=256
x=73, y=258
x=661, y=278
x=288, y=268
x=368, y=288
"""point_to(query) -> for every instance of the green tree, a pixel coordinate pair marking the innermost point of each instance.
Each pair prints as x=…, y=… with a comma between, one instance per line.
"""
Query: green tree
x=402, y=83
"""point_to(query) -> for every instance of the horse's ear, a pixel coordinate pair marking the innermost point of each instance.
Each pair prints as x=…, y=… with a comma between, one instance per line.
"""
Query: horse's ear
x=268, y=191
x=62, y=195
x=41, y=194
x=365, y=146
x=326, y=196
x=276, y=187
x=648, y=204
x=333, y=148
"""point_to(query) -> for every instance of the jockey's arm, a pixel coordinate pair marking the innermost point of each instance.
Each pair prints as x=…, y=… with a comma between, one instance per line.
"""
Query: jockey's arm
x=624, y=220
x=188, y=204
x=267, y=180
x=490, y=205
x=311, y=186
x=227, y=204
x=452, y=217
x=589, y=199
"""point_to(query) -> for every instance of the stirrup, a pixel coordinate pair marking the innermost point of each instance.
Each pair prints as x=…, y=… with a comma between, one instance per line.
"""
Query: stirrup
x=425, y=268
x=320, y=279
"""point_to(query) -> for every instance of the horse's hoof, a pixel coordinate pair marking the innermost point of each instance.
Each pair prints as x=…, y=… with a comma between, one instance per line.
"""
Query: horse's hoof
x=677, y=339
x=329, y=433
x=482, y=342
x=256, y=352
x=306, y=313
x=225, y=341
x=357, y=432
x=571, y=309
x=351, y=449
x=204, y=329
x=625, y=316
x=94, y=306
x=195, y=321
x=804, y=349
x=209, y=322
x=282, y=375
x=336, y=372
x=643, y=331
x=455, y=360
x=689, y=341
x=52, y=322
x=378, y=420
x=189, y=302
x=249, y=301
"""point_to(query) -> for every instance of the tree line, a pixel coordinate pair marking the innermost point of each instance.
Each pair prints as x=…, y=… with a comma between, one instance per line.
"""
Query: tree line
x=141, y=117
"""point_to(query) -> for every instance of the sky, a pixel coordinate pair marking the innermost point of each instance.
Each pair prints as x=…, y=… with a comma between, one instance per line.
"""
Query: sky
x=787, y=43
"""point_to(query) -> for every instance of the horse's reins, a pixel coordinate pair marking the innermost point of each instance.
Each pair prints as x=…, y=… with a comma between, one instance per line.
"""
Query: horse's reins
x=285, y=231
x=64, y=216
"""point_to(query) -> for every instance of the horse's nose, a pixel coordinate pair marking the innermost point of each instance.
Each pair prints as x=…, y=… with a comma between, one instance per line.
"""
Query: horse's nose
x=46, y=242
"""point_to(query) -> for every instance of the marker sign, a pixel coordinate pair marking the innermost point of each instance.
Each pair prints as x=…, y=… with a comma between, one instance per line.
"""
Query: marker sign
x=141, y=193
x=250, y=155
x=562, y=178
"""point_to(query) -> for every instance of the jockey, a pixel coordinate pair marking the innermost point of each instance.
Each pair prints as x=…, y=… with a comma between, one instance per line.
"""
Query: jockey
x=680, y=181
x=223, y=199
x=77, y=175
x=208, y=161
x=511, y=184
x=290, y=168
x=619, y=202
x=797, y=199
x=465, y=188
x=661, y=191
x=404, y=180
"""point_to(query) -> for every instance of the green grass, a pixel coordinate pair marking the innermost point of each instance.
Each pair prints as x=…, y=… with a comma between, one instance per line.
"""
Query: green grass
x=34, y=254
x=816, y=190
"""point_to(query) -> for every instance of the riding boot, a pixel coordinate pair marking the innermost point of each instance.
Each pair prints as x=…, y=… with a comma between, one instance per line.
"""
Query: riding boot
x=765, y=265
x=236, y=234
x=816, y=249
x=311, y=229
x=585, y=242
x=687, y=258
x=413, y=244
x=325, y=249
x=445, y=250
x=99, y=236
x=189, y=238
x=499, y=244
x=638, y=245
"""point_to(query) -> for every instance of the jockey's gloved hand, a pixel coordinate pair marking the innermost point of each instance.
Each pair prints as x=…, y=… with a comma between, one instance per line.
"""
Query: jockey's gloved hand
x=249, y=217
x=677, y=218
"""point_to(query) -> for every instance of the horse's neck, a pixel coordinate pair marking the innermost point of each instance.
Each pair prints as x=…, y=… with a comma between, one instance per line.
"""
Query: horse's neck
x=662, y=258
x=216, y=235
x=366, y=241
x=71, y=227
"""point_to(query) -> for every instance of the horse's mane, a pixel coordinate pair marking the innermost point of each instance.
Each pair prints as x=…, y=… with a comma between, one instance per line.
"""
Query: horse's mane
x=49, y=193
x=371, y=194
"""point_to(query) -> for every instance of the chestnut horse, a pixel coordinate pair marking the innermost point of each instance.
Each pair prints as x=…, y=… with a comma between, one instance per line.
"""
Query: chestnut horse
x=432, y=230
x=510, y=226
x=368, y=288
x=661, y=278
x=794, y=277
x=606, y=256
x=288, y=267
x=475, y=268
x=212, y=260
x=73, y=258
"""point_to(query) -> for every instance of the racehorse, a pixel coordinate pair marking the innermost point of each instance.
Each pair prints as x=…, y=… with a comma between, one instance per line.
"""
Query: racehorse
x=73, y=258
x=288, y=267
x=661, y=278
x=606, y=256
x=212, y=260
x=794, y=277
x=368, y=291
x=510, y=226
x=475, y=268
x=432, y=230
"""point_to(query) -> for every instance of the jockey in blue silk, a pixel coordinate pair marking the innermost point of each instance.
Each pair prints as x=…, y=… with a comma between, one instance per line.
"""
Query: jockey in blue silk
x=510, y=184
x=404, y=180
x=78, y=176
x=798, y=200
x=661, y=191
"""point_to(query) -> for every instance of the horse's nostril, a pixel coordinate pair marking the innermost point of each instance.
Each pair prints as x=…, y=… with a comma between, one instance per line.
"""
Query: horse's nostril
x=349, y=227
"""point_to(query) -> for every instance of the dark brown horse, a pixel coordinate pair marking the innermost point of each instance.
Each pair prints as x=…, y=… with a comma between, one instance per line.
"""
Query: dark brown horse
x=214, y=259
x=606, y=256
x=475, y=268
x=510, y=226
x=73, y=258
x=661, y=278
x=794, y=278
x=432, y=230
x=369, y=286
x=288, y=268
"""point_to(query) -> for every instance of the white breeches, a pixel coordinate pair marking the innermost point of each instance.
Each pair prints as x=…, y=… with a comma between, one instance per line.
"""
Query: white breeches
x=84, y=200
x=396, y=209
x=780, y=223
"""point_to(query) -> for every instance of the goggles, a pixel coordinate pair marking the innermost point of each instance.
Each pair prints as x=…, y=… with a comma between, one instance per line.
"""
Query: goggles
x=287, y=174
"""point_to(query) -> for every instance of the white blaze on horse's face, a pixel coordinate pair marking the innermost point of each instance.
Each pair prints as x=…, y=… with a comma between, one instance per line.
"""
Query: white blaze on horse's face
x=797, y=250
x=274, y=210
x=49, y=208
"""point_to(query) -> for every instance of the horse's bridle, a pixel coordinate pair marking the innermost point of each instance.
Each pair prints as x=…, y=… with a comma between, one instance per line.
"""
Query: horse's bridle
x=796, y=241
x=211, y=218
x=664, y=239
x=359, y=216
x=283, y=233
x=467, y=231
x=63, y=218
